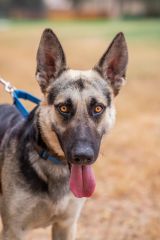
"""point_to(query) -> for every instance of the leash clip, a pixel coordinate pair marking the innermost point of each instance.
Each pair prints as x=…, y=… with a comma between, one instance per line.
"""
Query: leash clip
x=7, y=86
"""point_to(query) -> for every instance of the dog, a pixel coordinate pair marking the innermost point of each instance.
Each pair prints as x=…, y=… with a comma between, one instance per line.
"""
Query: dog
x=77, y=109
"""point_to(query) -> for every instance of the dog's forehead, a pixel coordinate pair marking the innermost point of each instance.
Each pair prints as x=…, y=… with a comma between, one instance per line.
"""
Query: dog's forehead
x=88, y=75
x=80, y=79
x=78, y=84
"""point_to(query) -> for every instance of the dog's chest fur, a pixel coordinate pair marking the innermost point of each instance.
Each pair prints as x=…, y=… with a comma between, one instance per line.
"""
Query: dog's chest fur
x=37, y=207
x=44, y=212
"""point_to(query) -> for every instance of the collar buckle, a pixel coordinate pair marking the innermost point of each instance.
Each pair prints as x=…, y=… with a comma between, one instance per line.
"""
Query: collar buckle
x=43, y=154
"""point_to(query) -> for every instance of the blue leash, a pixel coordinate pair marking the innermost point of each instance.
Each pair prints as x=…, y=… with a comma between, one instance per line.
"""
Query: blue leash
x=17, y=95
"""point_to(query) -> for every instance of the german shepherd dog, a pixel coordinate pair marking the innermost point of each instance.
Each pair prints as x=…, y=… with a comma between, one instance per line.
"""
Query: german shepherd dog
x=77, y=109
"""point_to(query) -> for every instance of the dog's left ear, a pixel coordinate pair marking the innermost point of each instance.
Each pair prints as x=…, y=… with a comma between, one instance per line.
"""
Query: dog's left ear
x=113, y=63
x=50, y=59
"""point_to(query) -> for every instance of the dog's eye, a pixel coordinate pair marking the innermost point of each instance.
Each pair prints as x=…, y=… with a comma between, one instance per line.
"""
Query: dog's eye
x=64, y=109
x=98, y=109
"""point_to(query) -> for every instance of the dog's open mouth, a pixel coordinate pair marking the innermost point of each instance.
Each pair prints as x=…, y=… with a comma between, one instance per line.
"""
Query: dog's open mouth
x=82, y=180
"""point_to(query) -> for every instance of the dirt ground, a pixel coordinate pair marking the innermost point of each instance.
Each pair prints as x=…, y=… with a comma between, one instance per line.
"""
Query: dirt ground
x=126, y=203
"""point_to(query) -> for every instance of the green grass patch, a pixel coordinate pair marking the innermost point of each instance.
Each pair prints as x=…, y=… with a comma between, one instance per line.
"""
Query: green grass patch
x=140, y=29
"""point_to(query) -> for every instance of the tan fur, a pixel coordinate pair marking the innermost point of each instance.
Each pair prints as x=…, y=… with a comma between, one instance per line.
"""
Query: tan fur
x=45, y=118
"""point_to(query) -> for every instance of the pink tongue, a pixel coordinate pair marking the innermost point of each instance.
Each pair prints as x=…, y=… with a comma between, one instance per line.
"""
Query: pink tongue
x=82, y=180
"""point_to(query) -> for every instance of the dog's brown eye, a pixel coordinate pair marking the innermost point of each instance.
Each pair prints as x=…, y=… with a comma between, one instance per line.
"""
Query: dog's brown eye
x=64, y=109
x=98, y=109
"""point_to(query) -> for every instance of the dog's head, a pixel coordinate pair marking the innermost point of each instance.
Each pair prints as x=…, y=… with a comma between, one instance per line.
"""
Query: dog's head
x=78, y=107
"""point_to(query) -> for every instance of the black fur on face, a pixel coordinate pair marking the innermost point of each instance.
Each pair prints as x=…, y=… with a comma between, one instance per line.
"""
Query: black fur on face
x=80, y=144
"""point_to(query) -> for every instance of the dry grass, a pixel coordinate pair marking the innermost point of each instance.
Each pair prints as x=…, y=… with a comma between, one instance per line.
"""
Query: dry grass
x=126, y=204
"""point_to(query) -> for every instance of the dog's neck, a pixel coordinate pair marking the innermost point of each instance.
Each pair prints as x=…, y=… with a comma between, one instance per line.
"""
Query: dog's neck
x=48, y=135
x=43, y=139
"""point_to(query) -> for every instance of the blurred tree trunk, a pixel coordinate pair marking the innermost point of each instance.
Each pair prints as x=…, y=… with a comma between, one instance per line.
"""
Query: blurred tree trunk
x=152, y=7
x=6, y=6
x=27, y=4
x=121, y=7
x=77, y=3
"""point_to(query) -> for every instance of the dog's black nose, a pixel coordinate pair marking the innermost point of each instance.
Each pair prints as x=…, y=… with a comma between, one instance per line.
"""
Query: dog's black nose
x=82, y=155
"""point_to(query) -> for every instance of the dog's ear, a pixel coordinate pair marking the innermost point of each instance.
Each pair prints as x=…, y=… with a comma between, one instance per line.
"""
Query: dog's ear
x=50, y=59
x=113, y=63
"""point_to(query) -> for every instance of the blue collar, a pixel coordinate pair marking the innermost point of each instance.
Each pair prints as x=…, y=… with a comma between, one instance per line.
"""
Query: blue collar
x=45, y=155
x=19, y=94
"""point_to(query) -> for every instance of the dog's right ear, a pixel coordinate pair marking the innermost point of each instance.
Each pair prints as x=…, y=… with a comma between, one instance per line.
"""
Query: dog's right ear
x=50, y=59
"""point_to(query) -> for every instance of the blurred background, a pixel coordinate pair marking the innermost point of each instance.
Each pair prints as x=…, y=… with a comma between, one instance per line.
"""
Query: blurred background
x=126, y=203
